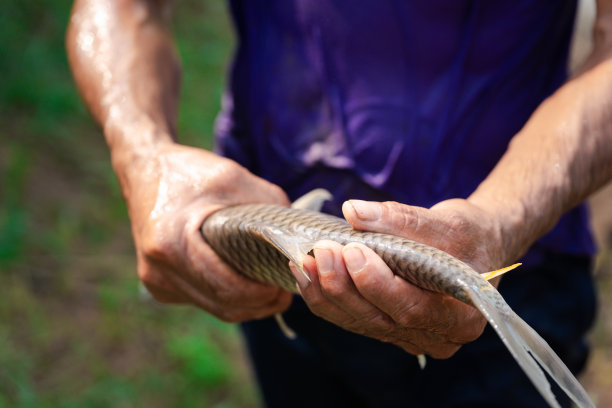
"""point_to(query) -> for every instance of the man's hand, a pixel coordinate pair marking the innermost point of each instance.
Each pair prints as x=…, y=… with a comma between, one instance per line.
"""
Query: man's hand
x=169, y=197
x=353, y=288
x=123, y=59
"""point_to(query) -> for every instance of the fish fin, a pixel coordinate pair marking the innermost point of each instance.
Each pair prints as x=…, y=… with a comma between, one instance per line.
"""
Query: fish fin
x=293, y=246
x=529, y=349
x=287, y=331
x=499, y=272
x=312, y=200
x=422, y=359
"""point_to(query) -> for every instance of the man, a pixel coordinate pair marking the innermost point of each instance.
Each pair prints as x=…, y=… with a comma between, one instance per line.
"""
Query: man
x=449, y=107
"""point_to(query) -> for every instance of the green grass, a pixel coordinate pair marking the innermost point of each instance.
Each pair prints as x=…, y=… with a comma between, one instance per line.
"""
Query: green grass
x=74, y=331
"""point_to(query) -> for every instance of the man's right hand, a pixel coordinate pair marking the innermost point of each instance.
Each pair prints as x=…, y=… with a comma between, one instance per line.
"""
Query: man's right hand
x=169, y=197
x=123, y=59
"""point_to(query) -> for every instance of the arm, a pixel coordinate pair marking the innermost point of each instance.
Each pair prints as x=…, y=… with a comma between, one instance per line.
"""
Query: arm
x=125, y=65
x=563, y=154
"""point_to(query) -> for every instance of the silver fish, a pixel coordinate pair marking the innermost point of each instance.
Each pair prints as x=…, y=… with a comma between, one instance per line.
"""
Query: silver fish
x=258, y=240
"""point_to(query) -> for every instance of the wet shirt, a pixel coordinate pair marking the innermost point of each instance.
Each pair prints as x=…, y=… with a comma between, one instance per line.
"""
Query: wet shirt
x=412, y=101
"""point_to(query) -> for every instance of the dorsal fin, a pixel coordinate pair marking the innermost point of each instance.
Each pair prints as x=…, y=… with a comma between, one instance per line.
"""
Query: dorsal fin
x=313, y=200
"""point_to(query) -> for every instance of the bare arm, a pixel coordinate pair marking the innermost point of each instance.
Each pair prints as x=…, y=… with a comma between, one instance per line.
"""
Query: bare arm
x=125, y=66
x=562, y=154
x=122, y=56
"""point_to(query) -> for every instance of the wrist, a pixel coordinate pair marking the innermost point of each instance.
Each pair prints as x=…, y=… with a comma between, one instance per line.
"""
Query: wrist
x=128, y=128
x=510, y=227
x=135, y=141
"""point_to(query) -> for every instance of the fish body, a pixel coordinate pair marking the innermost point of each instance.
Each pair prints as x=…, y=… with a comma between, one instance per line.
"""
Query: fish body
x=258, y=240
x=237, y=234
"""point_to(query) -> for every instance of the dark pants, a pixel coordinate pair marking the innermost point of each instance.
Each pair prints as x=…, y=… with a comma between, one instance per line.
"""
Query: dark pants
x=329, y=367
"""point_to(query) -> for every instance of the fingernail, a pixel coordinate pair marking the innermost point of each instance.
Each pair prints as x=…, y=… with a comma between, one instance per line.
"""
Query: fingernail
x=325, y=260
x=354, y=259
x=366, y=211
x=302, y=279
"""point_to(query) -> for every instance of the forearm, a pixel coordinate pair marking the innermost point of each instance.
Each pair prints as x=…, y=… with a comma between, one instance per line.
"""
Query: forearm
x=127, y=71
x=563, y=154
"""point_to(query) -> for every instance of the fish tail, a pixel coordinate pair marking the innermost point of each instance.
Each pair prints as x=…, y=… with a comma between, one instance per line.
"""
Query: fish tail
x=528, y=348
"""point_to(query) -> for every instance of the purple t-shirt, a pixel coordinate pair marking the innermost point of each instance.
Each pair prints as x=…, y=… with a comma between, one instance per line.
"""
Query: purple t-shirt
x=412, y=101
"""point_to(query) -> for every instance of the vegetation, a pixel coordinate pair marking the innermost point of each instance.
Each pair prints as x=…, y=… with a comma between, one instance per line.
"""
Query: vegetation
x=75, y=331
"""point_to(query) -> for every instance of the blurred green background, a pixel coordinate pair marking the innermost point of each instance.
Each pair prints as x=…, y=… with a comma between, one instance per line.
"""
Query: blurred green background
x=74, y=331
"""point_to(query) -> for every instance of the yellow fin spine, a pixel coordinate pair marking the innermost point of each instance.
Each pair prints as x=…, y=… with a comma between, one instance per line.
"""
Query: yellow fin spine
x=494, y=274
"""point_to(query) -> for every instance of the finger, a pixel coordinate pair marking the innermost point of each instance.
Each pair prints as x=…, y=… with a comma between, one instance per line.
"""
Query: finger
x=234, y=313
x=393, y=218
x=169, y=286
x=379, y=285
x=412, y=326
x=154, y=280
x=337, y=286
x=422, y=326
x=217, y=281
x=317, y=302
x=410, y=306
x=204, y=280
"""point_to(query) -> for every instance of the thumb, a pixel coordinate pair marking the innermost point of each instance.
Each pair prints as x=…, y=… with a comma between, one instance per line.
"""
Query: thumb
x=406, y=221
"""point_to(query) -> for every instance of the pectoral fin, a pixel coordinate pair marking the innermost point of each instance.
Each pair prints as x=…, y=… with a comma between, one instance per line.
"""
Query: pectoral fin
x=290, y=244
x=499, y=272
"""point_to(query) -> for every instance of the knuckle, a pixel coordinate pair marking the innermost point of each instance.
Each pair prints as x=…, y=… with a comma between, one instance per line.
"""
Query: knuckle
x=155, y=245
x=229, y=172
x=458, y=225
x=401, y=216
x=146, y=274
x=277, y=194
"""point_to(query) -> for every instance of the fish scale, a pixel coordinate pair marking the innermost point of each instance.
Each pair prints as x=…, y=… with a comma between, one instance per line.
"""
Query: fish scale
x=258, y=240
x=240, y=224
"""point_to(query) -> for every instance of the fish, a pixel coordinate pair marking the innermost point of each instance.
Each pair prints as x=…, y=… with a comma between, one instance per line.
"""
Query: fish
x=259, y=240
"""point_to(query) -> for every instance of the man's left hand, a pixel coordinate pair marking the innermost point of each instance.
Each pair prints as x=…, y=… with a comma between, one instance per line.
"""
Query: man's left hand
x=353, y=287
